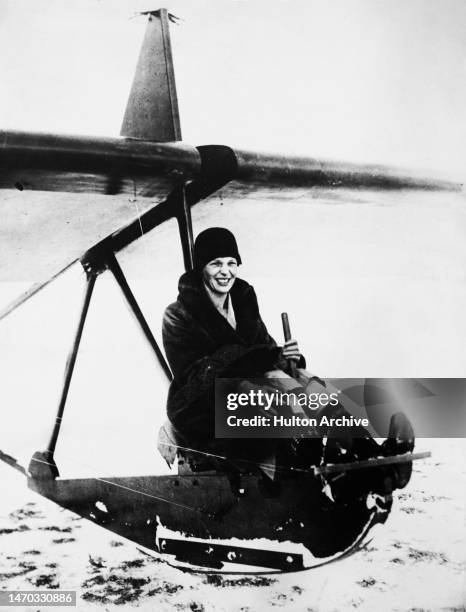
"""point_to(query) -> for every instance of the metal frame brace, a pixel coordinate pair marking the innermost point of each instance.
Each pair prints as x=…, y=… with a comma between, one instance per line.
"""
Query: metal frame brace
x=95, y=261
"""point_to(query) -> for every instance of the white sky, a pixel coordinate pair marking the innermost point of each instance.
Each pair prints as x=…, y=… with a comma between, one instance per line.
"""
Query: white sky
x=368, y=80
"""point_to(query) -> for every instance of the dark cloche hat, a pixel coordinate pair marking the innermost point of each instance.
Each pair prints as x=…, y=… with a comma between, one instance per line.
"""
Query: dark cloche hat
x=214, y=242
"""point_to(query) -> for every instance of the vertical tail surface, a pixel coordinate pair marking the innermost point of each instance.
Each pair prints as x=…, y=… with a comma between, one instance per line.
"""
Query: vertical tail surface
x=152, y=109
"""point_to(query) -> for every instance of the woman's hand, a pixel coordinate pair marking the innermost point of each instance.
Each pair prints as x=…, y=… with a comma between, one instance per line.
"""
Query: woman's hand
x=290, y=350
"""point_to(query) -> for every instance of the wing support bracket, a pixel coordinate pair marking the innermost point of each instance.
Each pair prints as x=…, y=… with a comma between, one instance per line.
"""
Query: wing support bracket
x=120, y=278
x=185, y=225
x=42, y=465
x=95, y=261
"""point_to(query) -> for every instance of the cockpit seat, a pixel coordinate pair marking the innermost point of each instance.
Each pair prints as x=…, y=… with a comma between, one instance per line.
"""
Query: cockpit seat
x=172, y=445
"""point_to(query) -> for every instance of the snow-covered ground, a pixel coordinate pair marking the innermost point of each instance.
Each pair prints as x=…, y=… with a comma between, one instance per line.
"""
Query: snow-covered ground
x=416, y=561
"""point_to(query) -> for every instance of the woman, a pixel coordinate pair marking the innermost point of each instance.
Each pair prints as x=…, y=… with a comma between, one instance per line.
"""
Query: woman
x=214, y=330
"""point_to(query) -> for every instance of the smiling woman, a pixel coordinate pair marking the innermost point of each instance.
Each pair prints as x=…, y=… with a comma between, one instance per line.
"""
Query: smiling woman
x=214, y=330
x=216, y=255
x=219, y=275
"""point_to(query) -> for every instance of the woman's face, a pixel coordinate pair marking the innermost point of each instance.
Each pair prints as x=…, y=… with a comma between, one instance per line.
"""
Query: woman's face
x=219, y=274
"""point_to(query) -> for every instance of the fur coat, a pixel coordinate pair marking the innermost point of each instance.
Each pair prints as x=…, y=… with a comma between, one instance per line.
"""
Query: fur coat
x=201, y=345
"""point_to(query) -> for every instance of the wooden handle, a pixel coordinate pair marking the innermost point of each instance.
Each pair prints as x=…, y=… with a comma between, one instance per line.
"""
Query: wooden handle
x=286, y=326
x=287, y=335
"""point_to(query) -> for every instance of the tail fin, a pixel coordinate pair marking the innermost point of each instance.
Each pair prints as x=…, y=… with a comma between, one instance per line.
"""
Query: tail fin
x=152, y=109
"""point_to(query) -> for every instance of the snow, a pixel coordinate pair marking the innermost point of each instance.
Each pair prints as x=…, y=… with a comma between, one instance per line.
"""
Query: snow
x=415, y=561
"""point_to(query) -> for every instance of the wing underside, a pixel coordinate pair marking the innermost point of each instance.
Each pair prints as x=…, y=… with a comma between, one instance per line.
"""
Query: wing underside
x=61, y=195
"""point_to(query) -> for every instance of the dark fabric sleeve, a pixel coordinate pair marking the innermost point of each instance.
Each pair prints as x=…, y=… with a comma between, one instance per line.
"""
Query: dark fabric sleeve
x=262, y=335
x=195, y=371
x=190, y=356
x=186, y=346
